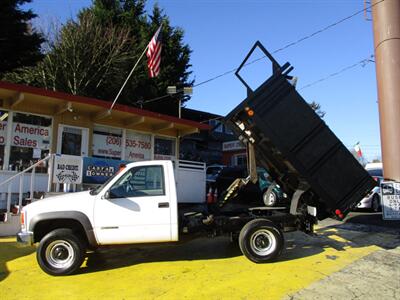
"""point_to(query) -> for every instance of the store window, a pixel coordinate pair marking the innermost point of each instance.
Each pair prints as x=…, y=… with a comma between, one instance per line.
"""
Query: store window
x=107, y=142
x=137, y=146
x=3, y=135
x=239, y=160
x=164, y=148
x=216, y=125
x=30, y=141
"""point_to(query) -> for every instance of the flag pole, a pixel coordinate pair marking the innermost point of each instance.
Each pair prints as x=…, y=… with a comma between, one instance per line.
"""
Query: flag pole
x=126, y=80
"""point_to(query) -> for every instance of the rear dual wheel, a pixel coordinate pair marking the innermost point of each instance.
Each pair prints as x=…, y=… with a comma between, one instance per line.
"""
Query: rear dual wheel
x=261, y=241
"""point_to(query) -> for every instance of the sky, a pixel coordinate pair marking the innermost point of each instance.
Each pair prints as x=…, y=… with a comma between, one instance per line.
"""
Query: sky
x=221, y=32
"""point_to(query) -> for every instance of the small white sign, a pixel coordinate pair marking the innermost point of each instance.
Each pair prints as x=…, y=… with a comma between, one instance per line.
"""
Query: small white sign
x=390, y=195
x=37, y=153
x=233, y=146
x=67, y=169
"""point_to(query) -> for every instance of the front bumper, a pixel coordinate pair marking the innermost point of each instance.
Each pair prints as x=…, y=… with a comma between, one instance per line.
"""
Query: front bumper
x=25, y=238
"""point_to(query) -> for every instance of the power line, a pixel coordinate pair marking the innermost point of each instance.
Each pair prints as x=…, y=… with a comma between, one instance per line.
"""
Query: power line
x=363, y=63
x=278, y=50
x=292, y=43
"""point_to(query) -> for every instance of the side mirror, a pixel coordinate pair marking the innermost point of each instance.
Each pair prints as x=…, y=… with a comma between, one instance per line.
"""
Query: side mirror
x=106, y=195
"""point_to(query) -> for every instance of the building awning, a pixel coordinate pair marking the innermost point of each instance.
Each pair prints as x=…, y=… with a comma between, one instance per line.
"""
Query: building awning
x=34, y=100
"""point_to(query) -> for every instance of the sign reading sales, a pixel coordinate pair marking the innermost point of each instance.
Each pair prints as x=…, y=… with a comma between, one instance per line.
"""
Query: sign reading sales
x=3, y=132
x=26, y=135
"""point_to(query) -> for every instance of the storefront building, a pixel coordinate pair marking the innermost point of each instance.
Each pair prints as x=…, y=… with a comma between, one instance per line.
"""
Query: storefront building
x=35, y=122
x=234, y=154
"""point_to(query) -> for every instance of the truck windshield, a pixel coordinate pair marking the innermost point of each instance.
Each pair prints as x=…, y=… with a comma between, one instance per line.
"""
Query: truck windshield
x=100, y=187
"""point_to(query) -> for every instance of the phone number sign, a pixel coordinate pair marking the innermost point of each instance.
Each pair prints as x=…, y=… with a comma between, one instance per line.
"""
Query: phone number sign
x=390, y=194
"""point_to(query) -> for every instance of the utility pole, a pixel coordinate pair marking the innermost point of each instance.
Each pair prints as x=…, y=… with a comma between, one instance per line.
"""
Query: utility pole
x=386, y=26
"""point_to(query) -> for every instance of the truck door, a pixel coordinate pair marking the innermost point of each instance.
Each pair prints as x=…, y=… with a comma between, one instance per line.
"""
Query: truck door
x=135, y=209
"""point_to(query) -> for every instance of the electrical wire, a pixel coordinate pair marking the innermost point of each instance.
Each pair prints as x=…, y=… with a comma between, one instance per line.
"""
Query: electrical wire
x=363, y=63
x=292, y=43
x=281, y=49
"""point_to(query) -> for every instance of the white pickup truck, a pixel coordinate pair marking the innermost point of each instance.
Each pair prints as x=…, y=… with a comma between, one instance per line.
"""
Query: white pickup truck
x=138, y=205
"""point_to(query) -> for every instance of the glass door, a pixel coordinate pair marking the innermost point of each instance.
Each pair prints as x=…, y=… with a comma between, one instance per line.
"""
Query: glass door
x=72, y=140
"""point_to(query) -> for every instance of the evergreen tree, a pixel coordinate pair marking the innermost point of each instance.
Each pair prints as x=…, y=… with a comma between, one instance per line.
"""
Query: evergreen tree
x=93, y=55
x=19, y=44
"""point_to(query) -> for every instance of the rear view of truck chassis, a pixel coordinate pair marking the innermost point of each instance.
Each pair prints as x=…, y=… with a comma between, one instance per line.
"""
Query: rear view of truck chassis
x=310, y=164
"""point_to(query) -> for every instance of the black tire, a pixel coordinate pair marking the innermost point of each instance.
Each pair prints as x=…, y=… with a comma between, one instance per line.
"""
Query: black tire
x=60, y=252
x=270, y=198
x=375, y=204
x=261, y=241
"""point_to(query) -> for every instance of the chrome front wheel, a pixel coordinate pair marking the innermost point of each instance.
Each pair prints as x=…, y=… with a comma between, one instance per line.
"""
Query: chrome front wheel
x=60, y=252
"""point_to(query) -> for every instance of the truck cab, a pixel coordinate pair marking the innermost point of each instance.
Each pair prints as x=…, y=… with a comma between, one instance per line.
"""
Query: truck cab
x=138, y=205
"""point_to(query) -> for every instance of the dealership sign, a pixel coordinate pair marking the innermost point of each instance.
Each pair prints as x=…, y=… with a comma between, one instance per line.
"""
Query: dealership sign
x=107, y=145
x=26, y=135
x=138, y=146
x=3, y=132
x=390, y=195
x=67, y=169
x=99, y=170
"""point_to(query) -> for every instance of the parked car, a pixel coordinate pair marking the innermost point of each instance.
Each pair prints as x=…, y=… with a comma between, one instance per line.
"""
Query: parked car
x=212, y=172
x=260, y=192
x=271, y=196
x=372, y=200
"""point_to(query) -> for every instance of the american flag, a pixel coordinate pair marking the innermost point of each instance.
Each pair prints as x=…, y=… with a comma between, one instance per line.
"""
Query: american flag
x=154, y=54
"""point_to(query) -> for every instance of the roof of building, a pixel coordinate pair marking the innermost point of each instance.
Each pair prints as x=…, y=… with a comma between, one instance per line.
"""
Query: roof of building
x=38, y=100
x=198, y=115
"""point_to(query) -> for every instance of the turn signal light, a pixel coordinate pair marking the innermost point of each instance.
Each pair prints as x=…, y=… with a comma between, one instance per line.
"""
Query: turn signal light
x=22, y=218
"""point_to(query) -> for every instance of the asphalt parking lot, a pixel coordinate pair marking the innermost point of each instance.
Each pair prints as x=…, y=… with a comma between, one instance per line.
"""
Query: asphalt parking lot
x=343, y=261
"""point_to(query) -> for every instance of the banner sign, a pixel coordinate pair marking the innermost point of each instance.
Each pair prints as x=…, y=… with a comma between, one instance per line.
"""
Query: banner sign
x=67, y=169
x=30, y=136
x=3, y=132
x=390, y=195
x=233, y=146
x=138, y=146
x=107, y=145
x=164, y=157
x=99, y=170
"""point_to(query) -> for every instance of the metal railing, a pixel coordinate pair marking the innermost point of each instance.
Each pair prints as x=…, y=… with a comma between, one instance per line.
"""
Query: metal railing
x=20, y=175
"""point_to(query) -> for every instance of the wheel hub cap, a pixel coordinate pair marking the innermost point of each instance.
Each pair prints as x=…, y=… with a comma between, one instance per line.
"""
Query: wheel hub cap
x=263, y=242
x=60, y=254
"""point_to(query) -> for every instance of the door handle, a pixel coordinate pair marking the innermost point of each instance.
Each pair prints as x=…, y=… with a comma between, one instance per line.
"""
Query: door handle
x=163, y=204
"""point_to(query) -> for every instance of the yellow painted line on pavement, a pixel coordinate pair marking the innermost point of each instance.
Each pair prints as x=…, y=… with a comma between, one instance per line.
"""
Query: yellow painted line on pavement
x=165, y=276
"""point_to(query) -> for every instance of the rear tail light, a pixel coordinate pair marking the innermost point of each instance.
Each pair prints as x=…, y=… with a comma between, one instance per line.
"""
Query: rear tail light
x=339, y=213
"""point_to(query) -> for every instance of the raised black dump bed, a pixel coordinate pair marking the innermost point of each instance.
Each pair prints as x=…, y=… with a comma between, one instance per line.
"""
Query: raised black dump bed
x=301, y=153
